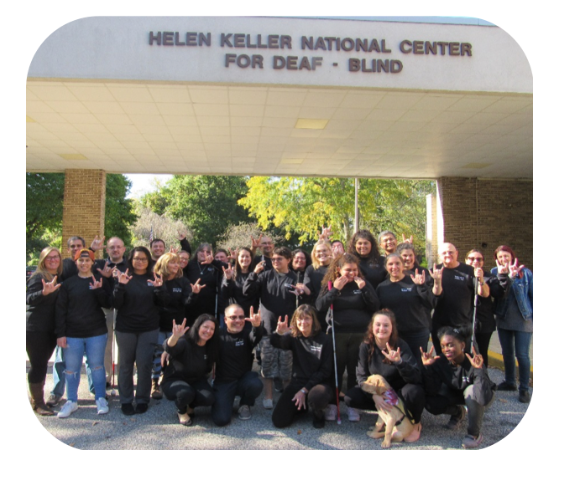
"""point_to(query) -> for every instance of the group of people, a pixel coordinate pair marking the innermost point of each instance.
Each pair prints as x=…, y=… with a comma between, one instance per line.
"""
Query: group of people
x=192, y=324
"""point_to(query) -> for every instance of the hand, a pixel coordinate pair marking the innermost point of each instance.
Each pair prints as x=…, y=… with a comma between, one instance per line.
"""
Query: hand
x=326, y=233
x=299, y=400
x=340, y=282
x=360, y=282
x=50, y=287
x=476, y=360
x=381, y=404
x=124, y=278
x=300, y=289
x=419, y=278
x=97, y=244
x=62, y=342
x=179, y=330
x=208, y=259
x=196, y=287
x=428, y=358
x=479, y=274
x=164, y=359
x=107, y=271
x=515, y=269
x=407, y=240
x=394, y=356
x=283, y=327
x=259, y=267
x=436, y=273
x=157, y=280
x=115, y=272
x=181, y=236
x=254, y=318
x=255, y=244
x=228, y=272
x=173, y=249
x=502, y=267
x=95, y=284
x=233, y=254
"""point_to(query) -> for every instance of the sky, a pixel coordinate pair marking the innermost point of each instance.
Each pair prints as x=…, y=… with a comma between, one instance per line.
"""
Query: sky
x=143, y=183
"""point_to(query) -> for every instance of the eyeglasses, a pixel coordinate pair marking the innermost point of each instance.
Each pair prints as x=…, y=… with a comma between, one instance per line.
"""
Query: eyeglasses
x=138, y=259
x=277, y=259
x=53, y=257
x=477, y=259
x=236, y=317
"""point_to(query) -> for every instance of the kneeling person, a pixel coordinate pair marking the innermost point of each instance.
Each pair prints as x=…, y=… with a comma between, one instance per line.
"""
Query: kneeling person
x=233, y=370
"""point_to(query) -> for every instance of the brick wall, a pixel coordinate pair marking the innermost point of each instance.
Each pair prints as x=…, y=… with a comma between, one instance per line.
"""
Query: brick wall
x=485, y=213
x=84, y=205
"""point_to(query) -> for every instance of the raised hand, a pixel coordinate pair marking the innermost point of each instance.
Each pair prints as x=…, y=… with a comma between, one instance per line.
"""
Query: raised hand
x=255, y=244
x=107, y=271
x=428, y=358
x=97, y=243
x=233, y=254
x=436, y=273
x=418, y=278
x=196, y=287
x=360, y=282
x=476, y=360
x=407, y=240
x=179, y=331
x=259, y=267
x=326, y=233
x=208, y=259
x=228, y=272
x=515, y=269
x=300, y=289
x=254, y=318
x=95, y=284
x=124, y=278
x=340, y=282
x=50, y=287
x=283, y=327
x=502, y=267
x=479, y=274
x=173, y=249
x=299, y=400
x=394, y=356
x=157, y=280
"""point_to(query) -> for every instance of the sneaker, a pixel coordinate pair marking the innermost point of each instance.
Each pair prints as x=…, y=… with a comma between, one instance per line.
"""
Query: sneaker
x=524, y=396
x=68, y=408
x=456, y=420
x=244, y=412
x=185, y=419
x=268, y=403
x=141, y=408
x=53, y=400
x=331, y=413
x=506, y=387
x=102, y=406
x=472, y=442
x=128, y=409
x=353, y=414
x=278, y=385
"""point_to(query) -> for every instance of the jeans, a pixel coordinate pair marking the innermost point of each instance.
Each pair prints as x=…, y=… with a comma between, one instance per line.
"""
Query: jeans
x=196, y=394
x=509, y=341
x=94, y=348
x=58, y=373
x=161, y=337
x=248, y=387
x=138, y=348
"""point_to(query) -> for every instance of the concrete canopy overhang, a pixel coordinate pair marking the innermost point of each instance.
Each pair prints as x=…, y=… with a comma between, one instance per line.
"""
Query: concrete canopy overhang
x=118, y=94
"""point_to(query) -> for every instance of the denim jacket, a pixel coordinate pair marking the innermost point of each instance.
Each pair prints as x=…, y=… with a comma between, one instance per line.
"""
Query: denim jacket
x=521, y=289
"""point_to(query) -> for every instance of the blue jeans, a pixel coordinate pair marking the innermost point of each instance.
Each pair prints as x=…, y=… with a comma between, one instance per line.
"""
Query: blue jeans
x=94, y=348
x=511, y=340
x=248, y=387
x=161, y=337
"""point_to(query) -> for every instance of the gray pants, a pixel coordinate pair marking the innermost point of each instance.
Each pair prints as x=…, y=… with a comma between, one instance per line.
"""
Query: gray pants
x=110, y=324
x=138, y=348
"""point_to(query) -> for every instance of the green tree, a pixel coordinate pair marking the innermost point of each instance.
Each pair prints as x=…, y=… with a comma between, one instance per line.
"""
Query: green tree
x=119, y=209
x=206, y=204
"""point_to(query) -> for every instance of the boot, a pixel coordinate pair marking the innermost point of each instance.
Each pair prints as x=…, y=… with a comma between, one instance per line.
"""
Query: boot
x=37, y=399
x=156, y=392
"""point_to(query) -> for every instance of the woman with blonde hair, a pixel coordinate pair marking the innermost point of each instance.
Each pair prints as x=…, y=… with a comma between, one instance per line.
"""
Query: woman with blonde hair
x=321, y=256
x=41, y=295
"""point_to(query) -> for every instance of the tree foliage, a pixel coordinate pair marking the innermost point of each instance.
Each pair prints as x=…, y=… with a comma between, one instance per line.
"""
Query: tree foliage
x=304, y=205
x=240, y=235
x=164, y=227
x=207, y=205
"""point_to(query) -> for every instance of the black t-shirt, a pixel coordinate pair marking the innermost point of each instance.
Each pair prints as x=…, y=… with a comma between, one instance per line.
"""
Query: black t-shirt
x=236, y=353
x=137, y=305
x=454, y=306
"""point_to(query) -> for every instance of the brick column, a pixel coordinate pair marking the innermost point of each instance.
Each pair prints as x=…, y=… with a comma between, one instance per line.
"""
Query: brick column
x=485, y=213
x=84, y=205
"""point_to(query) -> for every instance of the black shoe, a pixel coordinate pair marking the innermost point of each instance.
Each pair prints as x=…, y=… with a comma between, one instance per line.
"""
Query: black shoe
x=278, y=384
x=524, y=396
x=108, y=385
x=457, y=420
x=319, y=419
x=141, y=408
x=506, y=387
x=128, y=409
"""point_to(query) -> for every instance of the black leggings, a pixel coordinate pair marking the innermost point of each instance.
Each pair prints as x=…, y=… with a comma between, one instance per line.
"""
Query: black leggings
x=196, y=394
x=39, y=347
x=285, y=411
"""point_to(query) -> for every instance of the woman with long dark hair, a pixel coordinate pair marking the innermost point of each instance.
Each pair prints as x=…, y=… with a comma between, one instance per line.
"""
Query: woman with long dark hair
x=384, y=353
x=233, y=280
x=364, y=246
x=42, y=292
x=137, y=294
x=192, y=353
x=514, y=319
x=354, y=300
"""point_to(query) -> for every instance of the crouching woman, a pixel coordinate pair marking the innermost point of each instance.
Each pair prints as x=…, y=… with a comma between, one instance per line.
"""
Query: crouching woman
x=192, y=354
x=455, y=380
x=310, y=385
